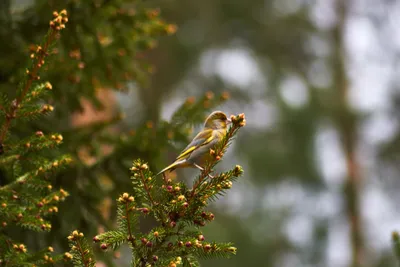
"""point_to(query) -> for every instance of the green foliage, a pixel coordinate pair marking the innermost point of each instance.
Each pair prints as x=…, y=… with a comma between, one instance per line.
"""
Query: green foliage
x=14, y=254
x=81, y=252
x=104, y=48
x=47, y=154
x=179, y=211
x=27, y=198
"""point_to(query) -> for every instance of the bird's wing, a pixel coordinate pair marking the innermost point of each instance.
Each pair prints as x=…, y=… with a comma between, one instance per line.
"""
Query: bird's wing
x=202, y=138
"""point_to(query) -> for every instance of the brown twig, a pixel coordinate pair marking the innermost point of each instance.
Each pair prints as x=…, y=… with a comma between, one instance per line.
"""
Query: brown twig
x=348, y=134
x=82, y=253
x=147, y=189
x=131, y=239
x=202, y=178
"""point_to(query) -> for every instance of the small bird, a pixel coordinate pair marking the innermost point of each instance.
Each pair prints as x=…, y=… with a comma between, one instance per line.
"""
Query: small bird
x=198, y=151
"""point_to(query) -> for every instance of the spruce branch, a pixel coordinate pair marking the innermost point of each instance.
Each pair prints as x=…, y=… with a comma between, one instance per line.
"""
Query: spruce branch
x=16, y=253
x=142, y=177
x=130, y=237
x=32, y=74
x=127, y=218
x=28, y=197
x=81, y=253
x=146, y=187
x=46, y=167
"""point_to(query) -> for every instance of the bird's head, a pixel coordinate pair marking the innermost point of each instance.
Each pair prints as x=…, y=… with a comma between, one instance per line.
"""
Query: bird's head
x=217, y=121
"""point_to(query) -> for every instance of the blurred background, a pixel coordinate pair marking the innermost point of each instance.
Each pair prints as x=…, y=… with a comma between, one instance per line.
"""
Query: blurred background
x=318, y=81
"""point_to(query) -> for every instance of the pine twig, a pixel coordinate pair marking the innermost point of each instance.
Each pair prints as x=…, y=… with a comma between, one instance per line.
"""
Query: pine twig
x=130, y=238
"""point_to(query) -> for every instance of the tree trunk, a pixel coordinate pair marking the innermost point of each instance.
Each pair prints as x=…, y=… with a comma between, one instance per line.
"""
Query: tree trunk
x=346, y=123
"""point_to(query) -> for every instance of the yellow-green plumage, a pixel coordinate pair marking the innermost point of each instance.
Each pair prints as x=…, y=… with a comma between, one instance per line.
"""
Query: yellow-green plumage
x=198, y=151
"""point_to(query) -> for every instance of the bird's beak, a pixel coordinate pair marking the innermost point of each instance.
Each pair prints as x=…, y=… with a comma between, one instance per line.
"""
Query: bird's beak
x=228, y=121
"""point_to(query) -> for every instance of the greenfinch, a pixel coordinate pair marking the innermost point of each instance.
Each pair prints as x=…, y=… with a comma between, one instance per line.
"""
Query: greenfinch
x=197, y=153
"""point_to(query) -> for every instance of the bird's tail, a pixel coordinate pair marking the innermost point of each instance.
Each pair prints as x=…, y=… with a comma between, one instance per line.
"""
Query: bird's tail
x=171, y=167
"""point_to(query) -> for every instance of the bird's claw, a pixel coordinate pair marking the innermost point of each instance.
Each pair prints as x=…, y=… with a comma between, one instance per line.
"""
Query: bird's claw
x=202, y=169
